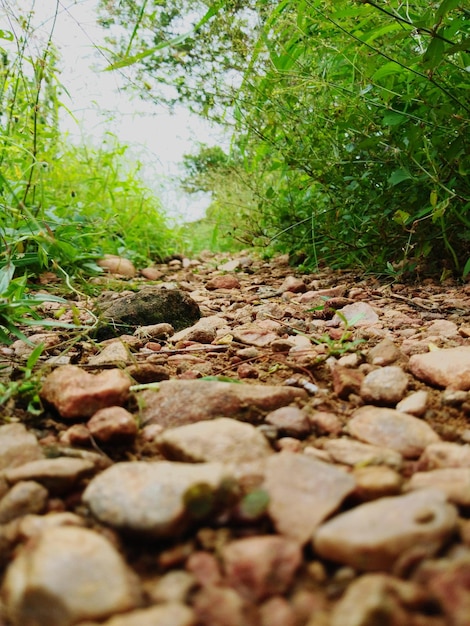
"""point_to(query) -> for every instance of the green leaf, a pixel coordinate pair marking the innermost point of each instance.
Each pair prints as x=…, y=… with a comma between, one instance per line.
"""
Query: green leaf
x=398, y=176
x=6, y=34
x=392, y=118
x=466, y=269
x=445, y=7
x=434, y=53
x=386, y=70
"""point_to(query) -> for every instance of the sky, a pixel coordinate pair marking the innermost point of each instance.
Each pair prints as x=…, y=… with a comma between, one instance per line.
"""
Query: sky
x=100, y=105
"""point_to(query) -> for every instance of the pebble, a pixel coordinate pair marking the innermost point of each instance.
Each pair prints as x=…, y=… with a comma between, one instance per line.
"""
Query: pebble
x=326, y=423
x=303, y=492
x=174, y=586
x=225, y=281
x=179, y=402
x=414, y=404
x=75, y=393
x=260, y=334
x=262, y=566
x=117, y=265
x=374, y=535
x=115, y=352
x=390, y=428
x=222, y=439
x=453, y=481
x=65, y=575
x=25, y=497
x=384, y=353
x=277, y=611
x=449, y=367
x=357, y=314
x=386, y=385
x=445, y=454
x=56, y=475
x=376, y=482
x=449, y=584
x=220, y=606
x=290, y=420
x=346, y=381
x=17, y=446
x=112, y=424
x=350, y=452
x=148, y=497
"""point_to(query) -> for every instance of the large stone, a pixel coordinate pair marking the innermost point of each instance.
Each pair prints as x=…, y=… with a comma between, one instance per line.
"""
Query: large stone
x=17, y=446
x=152, y=498
x=146, y=307
x=260, y=567
x=351, y=452
x=386, y=385
x=373, y=536
x=57, y=475
x=67, y=574
x=453, y=481
x=389, y=428
x=223, y=439
x=75, y=393
x=179, y=402
x=303, y=492
x=449, y=367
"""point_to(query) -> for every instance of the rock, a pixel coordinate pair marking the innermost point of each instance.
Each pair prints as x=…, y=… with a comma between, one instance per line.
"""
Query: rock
x=31, y=525
x=451, y=587
x=390, y=428
x=260, y=334
x=17, y=446
x=75, y=393
x=384, y=353
x=117, y=265
x=114, y=424
x=222, y=439
x=152, y=273
x=442, y=328
x=203, y=331
x=25, y=497
x=414, y=404
x=453, y=481
x=57, y=475
x=357, y=314
x=148, y=372
x=326, y=423
x=373, y=536
x=376, y=482
x=303, y=492
x=174, y=586
x=115, y=352
x=220, y=606
x=293, y=284
x=147, y=307
x=154, y=331
x=262, y=566
x=290, y=420
x=225, y=281
x=445, y=454
x=205, y=568
x=386, y=385
x=350, y=452
x=449, y=367
x=277, y=611
x=149, y=498
x=65, y=575
x=169, y=614
x=346, y=381
x=374, y=599
x=179, y=402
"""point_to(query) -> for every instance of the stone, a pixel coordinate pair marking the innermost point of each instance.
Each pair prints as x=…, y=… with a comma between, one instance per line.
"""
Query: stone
x=445, y=454
x=290, y=420
x=384, y=353
x=65, y=575
x=75, y=393
x=386, y=385
x=357, y=314
x=115, y=352
x=154, y=331
x=17, y=446
x=205, y=568
x=453, y=481
x=174, y=586
x=113, y=424
x=117, y=265
x=149, y=498
x=220, y=606
x=222, y=439
x=146, y=307
x=262, y=566
x=224, y=281
x=389, y=428
x=451, y=587
x=168, y=614
x=203, y=331
x=260, y=334
x=375, y=535
x=293, y=284
x=56, y=475
x=276, y=611
x=442, y=328
x=179, y=402
x=144, y=373
x=414, y=404
x=326, y=423
x=350, y=452
x=449, y=367
x=303, y=492
x=25, y=497
x=346, y=381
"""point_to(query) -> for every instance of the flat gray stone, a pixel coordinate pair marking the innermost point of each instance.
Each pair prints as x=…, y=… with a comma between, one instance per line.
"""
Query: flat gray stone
x=449, y=367
x=303, y=492
x=389, y=428
x=386, y=385
x=56, y=475
x=179, y=402
x=222, y=439
x=65, y=575
x=373, y=536
x=149, y=497
x=25, y=497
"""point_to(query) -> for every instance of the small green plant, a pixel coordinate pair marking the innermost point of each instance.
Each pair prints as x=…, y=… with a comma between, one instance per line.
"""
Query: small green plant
x=27, y=387
x=346, y=343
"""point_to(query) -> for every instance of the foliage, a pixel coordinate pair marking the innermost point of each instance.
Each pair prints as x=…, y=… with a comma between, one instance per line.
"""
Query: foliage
x=357, y=130
x=27, y=387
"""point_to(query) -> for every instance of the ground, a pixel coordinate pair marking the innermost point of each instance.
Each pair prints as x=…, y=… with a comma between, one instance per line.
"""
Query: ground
x=260, y=446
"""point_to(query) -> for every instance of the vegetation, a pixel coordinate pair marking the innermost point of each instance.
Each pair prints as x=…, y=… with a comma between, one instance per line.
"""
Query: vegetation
x=351, y=120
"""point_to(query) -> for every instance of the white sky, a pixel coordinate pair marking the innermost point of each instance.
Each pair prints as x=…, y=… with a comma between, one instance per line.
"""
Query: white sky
x=100, y=105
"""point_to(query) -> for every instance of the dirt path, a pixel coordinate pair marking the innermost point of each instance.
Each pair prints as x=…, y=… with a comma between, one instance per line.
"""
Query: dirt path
x=243, y=445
